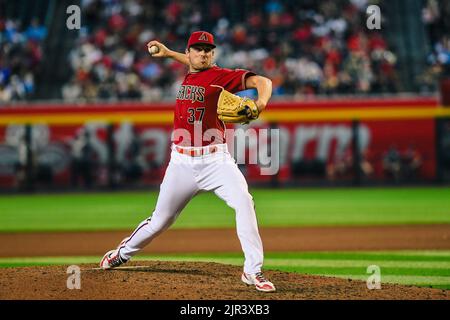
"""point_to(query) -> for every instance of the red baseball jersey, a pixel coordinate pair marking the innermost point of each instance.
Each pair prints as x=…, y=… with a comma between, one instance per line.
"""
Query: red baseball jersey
x=195, y=121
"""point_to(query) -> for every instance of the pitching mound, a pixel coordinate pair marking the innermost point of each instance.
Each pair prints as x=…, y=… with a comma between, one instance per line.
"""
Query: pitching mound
x=158, y=280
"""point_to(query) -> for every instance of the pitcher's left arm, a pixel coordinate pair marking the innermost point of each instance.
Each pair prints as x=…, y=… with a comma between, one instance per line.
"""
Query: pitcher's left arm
x=263, y=86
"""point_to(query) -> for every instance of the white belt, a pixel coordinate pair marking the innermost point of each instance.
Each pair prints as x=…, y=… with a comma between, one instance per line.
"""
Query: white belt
x=199, y=151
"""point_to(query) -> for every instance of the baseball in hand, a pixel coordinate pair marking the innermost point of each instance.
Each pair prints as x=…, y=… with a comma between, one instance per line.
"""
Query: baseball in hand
x=153, y=49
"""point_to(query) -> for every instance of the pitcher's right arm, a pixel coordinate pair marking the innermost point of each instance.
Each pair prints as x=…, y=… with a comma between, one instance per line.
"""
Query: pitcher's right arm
x=165, y=52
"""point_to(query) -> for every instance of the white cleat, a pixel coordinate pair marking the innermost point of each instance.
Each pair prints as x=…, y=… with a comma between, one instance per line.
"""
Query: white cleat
x=258, y=280
x=112, y=259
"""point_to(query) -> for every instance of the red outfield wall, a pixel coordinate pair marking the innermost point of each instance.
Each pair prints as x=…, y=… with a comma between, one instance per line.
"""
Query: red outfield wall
x=309, y=131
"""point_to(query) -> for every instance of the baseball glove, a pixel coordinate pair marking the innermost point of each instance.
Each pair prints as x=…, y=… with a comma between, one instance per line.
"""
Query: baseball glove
x=234, y=109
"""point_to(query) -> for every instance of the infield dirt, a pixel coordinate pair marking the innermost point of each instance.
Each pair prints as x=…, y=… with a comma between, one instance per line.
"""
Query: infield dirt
x=413, y=237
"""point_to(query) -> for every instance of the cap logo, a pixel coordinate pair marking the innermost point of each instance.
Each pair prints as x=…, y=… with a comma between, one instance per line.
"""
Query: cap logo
x=203, y=37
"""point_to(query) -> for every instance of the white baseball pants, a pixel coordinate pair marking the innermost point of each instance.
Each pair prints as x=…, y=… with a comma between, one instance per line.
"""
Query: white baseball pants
x=184, y=178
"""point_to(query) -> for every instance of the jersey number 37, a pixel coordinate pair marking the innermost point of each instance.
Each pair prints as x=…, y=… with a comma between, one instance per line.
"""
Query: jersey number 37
x=196, y=114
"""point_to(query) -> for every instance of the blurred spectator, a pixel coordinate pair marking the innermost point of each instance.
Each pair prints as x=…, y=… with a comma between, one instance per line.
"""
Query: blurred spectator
x=342, y=166
x=83, y=161
x=445, y=146
x=71, y=91
x=357, y=73
x=431, y=16
x=365, y=165
x=25, y=170
x=392, y=163
x=411, y=162
x=36, y=31
x=133, y=166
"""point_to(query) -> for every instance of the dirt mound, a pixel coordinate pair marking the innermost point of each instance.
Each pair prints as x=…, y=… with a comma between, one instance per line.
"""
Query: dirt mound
x=160, y=280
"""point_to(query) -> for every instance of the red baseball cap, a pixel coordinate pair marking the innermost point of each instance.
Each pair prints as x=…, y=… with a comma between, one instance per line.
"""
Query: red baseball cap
x=201, y=37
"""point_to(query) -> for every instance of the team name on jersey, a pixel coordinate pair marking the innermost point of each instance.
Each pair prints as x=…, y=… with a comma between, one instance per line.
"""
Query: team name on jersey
x=193, y=93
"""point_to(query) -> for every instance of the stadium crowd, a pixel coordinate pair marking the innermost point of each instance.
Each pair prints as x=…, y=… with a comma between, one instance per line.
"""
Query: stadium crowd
x=20, y=58
x=438, y=30
x=306, y=47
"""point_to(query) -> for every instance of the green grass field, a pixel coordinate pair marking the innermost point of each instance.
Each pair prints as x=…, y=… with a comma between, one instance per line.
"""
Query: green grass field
x=421, y=268
x=294, y=207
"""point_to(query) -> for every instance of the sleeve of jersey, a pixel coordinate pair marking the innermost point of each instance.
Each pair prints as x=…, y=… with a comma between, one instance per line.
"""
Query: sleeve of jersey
x=234, y=80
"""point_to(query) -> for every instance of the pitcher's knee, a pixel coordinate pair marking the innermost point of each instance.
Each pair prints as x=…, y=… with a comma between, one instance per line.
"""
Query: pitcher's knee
x=160, y=224
x=243, y=201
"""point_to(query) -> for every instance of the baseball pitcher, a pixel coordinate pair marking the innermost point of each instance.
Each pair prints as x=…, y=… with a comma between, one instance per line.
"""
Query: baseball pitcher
x=199, y=159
